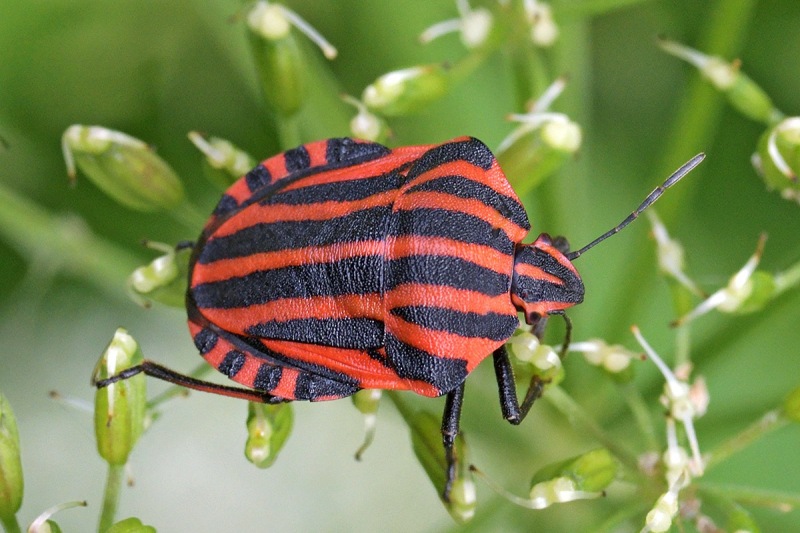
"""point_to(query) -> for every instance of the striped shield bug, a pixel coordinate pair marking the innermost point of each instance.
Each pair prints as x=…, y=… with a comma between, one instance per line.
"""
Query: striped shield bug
x=344, y=265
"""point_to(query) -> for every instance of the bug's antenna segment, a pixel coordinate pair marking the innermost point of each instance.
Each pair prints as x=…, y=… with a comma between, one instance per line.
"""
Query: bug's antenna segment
x=651, y=198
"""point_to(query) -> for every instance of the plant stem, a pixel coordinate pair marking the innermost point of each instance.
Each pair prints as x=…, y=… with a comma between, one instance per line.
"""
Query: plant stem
x=771, y=421
x=582, y=423
x=65, y=242
x=110, y=497
x=641, y=413
x=781, y=501
x=691, y=131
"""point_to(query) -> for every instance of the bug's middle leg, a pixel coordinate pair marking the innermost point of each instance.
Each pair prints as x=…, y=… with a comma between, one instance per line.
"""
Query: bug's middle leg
x=450, y=429
x=513, y=411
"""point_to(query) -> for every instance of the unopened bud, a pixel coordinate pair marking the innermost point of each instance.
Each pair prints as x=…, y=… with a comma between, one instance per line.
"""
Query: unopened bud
x=541, y=144
x=130, y=525
x=11, y=480
x=119, y=408
x=473, y=25
x=268, y=427
x=406, y=91
x=591, y=472
x=742, y=92
x=224, y=162
x=280, y=61
x=164, y=279
x=544, y=30
x=366, y=125
x=367, y=402
x=777, y=158
x=125, y=168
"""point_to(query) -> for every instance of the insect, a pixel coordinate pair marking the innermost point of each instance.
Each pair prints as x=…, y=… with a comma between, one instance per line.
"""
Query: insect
x=343, y=265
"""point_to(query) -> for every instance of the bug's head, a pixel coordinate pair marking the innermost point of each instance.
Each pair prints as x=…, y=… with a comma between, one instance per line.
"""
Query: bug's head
x=544, y=280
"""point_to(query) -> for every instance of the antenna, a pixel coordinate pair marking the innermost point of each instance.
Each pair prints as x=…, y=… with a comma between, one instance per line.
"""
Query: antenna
x=651, y=198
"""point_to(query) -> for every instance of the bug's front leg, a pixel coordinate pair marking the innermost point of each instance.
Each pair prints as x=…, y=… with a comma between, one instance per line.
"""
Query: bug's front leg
x=450, y=427
x=513, y=411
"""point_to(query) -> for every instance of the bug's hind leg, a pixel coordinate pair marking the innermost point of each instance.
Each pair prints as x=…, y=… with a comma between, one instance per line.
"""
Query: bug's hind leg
x=161, y=372
x=450, y=428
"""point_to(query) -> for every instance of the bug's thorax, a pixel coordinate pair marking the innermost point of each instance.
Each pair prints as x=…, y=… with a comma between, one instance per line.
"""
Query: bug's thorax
x=544, y=280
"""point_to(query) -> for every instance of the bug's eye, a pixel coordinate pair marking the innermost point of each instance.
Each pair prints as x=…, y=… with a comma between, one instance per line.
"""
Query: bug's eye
x=561, y=244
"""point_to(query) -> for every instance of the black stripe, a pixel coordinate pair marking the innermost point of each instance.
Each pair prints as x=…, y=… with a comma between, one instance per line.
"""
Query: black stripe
x=448, y=271
x=494, y=326
x=232, y=364
x=358, y=333
x=362, y=225
x=205, y=340
x=346, y=150
x=412, y=363
x=472, y=151
x=455, y=225
x=311, y=386
x=355, y=275
x=257, y=178
x=267, y=377
x=340, y=191
x=466, y=188
x=225, y=205
x=296, y=159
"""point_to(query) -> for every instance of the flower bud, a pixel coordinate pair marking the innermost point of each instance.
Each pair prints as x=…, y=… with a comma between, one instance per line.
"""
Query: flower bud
x=748, y=290
x=119, y=408
x=474, y=26
x=279, y=58
x=164, y=279
x=592, y=471
x=130, y=525
x=777, y=158
x=11, y=480
x=401, y=92
x=544, y=30
x=614, y=359
x=541, y=144
x=125, y=168
x=426, y=440
x=539, y=359
x=268, y=427
x=224, y=162
x=366, y=125
x=791, y=405
x=367, y=401
x=742, y=92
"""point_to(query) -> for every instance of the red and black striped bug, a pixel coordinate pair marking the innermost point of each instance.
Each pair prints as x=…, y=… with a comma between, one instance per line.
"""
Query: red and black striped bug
x=344, y=265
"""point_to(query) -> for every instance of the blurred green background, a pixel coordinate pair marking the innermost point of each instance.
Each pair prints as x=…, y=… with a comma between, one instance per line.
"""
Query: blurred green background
x=157, y=70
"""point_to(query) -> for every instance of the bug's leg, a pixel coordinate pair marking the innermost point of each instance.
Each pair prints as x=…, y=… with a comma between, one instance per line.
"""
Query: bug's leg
x=513, y=411
x=450, y=428
x=161, y=372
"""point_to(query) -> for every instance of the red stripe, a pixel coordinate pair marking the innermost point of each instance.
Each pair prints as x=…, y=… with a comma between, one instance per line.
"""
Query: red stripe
x=241, y=266
x=481, y=255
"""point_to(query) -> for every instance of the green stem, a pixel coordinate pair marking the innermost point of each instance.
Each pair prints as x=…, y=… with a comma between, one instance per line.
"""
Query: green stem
x=10, y=524
x=188, y=215
x=692, y=130
x=781, y=501
x=110, y=497
x=582, y=423
x=641, y=414
x=771, y=421
x=65, y=242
